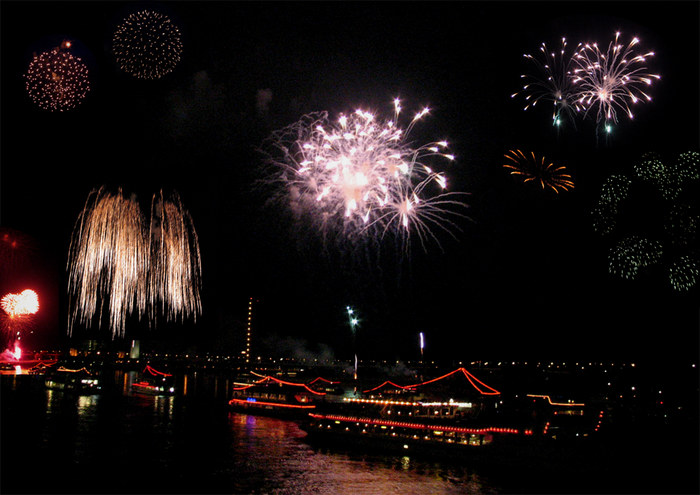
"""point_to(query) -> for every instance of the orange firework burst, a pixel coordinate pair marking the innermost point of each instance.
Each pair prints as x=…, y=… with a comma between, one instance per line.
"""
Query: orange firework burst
x=534, y=169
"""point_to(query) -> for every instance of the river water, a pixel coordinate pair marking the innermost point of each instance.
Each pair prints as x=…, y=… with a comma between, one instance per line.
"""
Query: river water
x=119, y=442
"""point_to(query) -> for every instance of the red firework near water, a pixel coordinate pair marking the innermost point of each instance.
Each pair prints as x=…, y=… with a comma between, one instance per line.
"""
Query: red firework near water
x=17, y=305
x=18, y=311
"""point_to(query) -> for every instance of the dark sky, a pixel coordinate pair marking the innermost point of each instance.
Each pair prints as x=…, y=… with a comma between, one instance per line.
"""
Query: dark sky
x=527, y=276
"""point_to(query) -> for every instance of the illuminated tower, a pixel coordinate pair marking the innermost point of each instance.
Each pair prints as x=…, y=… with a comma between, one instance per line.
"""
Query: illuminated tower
x=249, y=330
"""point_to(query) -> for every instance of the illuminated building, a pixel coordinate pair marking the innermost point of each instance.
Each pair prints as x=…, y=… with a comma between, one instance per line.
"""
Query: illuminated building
x=249, y=329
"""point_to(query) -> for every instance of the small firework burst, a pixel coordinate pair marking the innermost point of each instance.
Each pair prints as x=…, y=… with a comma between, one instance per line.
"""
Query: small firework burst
x=538, y=170
x=147, y=45
x=360, y=178
x=681, y=224
x=56, y=80
x=18, y=311
x=631, y=254
x=683, y=273
x=552, y=81
x=24, y=303
x=613, y=192
x=613, y=80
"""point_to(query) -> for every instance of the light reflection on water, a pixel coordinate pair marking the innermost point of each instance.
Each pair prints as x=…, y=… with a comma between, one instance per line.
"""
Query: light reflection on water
x=187, y=444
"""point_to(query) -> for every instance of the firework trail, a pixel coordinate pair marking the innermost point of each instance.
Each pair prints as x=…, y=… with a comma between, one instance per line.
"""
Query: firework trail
x=56, y=80
x=359, y=177
x=533, y=169
x=108, y=259
x=147, y=45
x=552, y=81
x=613, y=80
x=175, y=266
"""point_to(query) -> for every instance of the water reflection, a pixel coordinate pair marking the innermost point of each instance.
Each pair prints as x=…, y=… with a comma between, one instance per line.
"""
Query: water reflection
x=277, y=446
x=192, y=443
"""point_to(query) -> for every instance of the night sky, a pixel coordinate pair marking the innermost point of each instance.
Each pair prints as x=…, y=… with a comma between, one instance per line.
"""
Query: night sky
x=526, y=277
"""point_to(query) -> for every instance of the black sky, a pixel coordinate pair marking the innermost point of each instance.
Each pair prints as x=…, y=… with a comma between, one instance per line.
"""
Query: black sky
x=527, y=276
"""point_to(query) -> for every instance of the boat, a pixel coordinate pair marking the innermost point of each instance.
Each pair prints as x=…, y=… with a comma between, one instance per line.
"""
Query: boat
x=79, y=380
x=273, y=396
x=154, y=382
x=453, y=413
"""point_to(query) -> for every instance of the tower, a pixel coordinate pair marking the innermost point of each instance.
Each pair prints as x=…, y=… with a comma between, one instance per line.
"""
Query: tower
x=249, y=331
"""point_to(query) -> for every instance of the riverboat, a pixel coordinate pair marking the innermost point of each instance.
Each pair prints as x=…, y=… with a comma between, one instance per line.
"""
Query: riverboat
x=453, y=413
x=272, y=396
x=154, y=382
x=79, y=380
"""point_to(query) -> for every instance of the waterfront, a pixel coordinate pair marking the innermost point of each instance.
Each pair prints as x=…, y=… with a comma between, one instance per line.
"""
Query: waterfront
x=119, y=442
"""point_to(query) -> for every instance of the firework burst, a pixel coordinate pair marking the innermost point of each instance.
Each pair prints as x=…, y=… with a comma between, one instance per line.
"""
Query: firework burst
x=633, y=253
x=175, y=266
x=612, y=80
x=672, y=244
x=108, y=260
x=147, y=45
x=552, y=82
x=18, y=312
x=115, y=259
x=56, y=80
x=530, y=168
x=359, y=177
x=24, y=303
x=683, y=273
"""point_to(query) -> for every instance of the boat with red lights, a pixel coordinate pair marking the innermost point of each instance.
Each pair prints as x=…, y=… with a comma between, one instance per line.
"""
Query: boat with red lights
x=273, y=396
x=455, y=412
x=154, y=382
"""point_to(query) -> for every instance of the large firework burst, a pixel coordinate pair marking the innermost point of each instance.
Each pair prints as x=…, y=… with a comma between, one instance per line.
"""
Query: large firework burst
x=612, y=80
x=147, y=45
x=551, y=82
x=56, y=80
x=538, y=170
x=360, y=177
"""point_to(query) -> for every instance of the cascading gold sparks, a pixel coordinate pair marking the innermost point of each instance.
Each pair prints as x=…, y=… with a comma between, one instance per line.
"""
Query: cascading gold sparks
x=118, y=261
x=175, y=268
x=108, y=260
